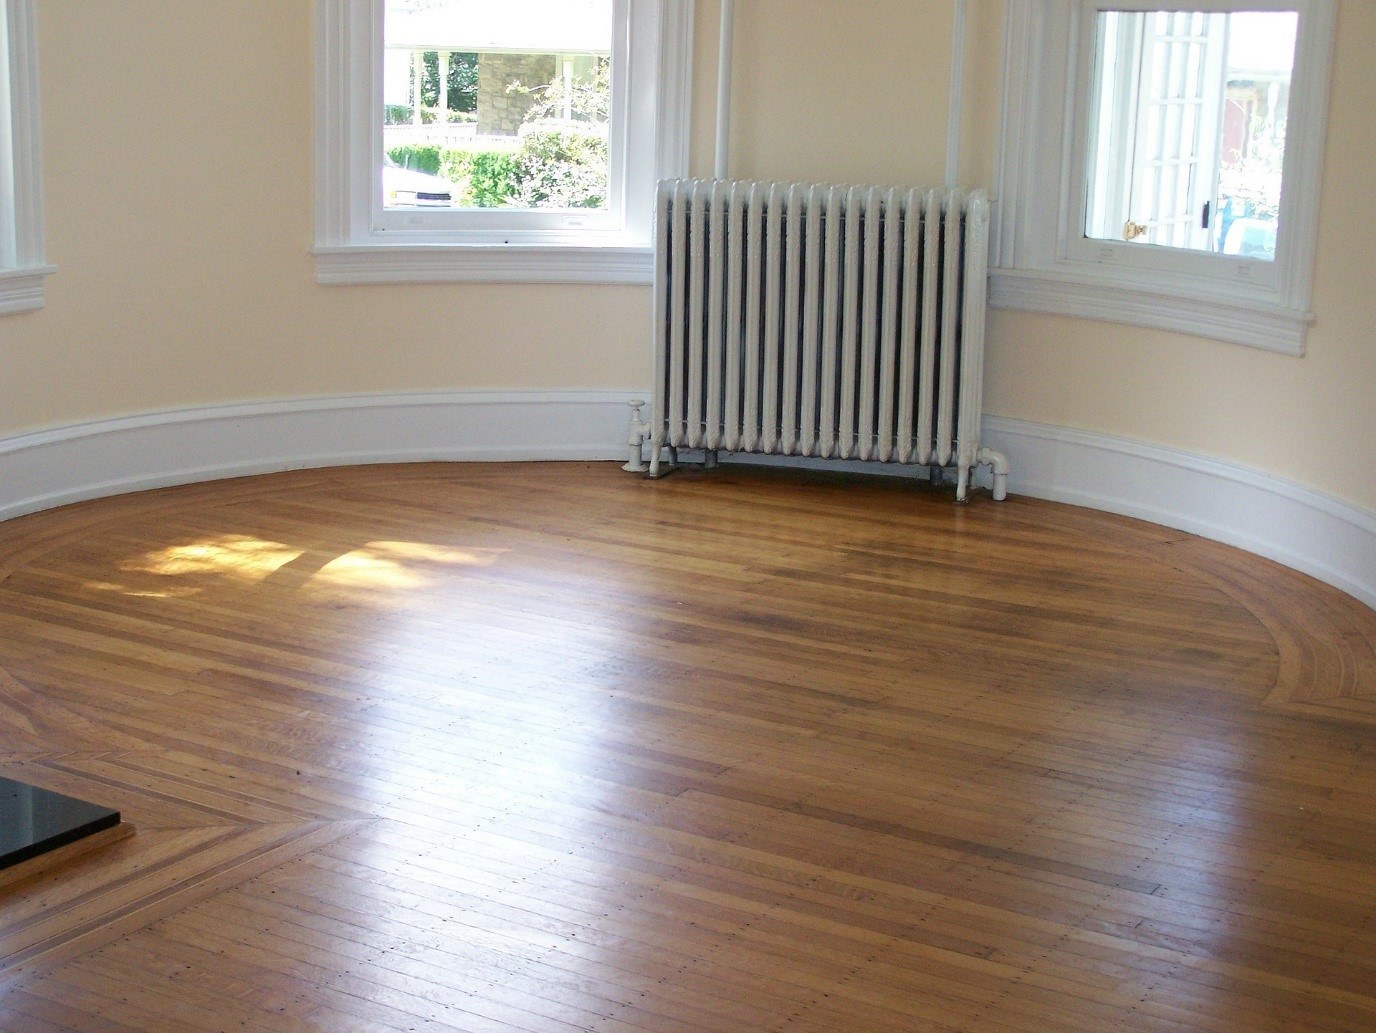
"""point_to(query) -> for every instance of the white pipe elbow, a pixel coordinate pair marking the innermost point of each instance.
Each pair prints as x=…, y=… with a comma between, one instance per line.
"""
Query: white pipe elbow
x=999, y=463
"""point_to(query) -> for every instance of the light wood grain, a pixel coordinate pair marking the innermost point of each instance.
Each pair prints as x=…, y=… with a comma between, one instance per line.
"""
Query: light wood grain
x=547, y=747
x=63, y=857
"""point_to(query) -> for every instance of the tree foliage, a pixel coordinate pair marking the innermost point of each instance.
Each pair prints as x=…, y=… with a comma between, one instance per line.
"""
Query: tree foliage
x=463, y=81
x=589, y=98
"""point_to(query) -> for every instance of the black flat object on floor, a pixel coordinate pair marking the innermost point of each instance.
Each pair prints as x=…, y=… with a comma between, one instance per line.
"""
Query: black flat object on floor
x=34, y=821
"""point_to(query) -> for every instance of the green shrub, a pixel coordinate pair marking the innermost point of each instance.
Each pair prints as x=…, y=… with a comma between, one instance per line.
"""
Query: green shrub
x=429, y=116
x=558, y=166
x=455, y=165
x=486, y=179
x=562, y=167
x=400, y=115
x=421, y=157
x=491, y=179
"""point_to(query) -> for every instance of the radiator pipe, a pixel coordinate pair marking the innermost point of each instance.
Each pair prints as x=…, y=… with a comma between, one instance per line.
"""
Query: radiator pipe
x=635, y=438
x=999, y=462
x=724, y=72
x=954, y=112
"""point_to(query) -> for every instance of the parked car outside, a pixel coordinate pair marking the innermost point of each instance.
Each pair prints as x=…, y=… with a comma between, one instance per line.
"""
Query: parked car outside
x=407, y=188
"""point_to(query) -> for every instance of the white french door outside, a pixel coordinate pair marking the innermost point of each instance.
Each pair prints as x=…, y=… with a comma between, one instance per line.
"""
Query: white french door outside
x=1173, y=171
x=1157, y=131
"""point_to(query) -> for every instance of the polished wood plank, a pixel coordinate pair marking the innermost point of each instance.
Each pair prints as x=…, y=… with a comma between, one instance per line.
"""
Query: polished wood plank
x=548, y=747
x=64, y=856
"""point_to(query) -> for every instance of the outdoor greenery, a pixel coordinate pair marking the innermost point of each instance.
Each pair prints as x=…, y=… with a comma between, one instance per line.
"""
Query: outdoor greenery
x=555, y=166
x=400, y=115
x=589, y=98
x=463, y=81
x=419, y=156
x=554, y=163
x=561, y=168
x=462, y=100
x=486, y=179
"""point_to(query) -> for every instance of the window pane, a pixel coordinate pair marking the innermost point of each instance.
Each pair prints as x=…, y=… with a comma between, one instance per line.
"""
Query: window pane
x=497, y=104
x=1190, y=135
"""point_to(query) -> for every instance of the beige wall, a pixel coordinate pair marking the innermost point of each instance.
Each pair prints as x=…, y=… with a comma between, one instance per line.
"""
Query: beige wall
x=179, y=198
x=178, y=154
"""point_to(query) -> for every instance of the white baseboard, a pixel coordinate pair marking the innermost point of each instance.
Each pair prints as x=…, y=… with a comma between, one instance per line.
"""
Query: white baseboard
x=1318, y=534
x=1332, y=540
x=50, y=468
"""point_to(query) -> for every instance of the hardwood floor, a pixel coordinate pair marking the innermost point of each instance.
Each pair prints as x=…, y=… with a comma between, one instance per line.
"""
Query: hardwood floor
x=555, y=748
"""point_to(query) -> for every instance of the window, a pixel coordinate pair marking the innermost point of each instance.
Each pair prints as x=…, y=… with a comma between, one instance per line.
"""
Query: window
x=496, y=139
x=22, y=267
x=1160, y=163
x=1189, y=135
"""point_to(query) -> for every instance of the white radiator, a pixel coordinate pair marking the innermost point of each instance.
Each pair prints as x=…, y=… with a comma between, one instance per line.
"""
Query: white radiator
x=826, y=321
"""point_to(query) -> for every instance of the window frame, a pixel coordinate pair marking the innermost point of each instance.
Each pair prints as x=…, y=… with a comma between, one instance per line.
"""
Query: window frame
x=23, y=266
x=1043, y=262
x=357, y=241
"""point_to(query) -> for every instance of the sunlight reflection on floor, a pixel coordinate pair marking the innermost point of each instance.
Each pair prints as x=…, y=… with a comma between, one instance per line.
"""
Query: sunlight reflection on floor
x=399, y=564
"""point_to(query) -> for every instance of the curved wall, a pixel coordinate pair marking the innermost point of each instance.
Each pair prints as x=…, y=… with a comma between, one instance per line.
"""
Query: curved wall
x=177, y=142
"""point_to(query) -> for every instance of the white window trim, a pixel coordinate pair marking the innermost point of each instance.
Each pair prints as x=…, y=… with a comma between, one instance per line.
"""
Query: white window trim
x=1038, y=267
x=23, y=267
x=348, y=248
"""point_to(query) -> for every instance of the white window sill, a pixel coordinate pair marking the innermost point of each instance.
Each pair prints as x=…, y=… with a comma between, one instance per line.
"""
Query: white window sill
x=1239, y=321
x=21, y=290
x=482, y=263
